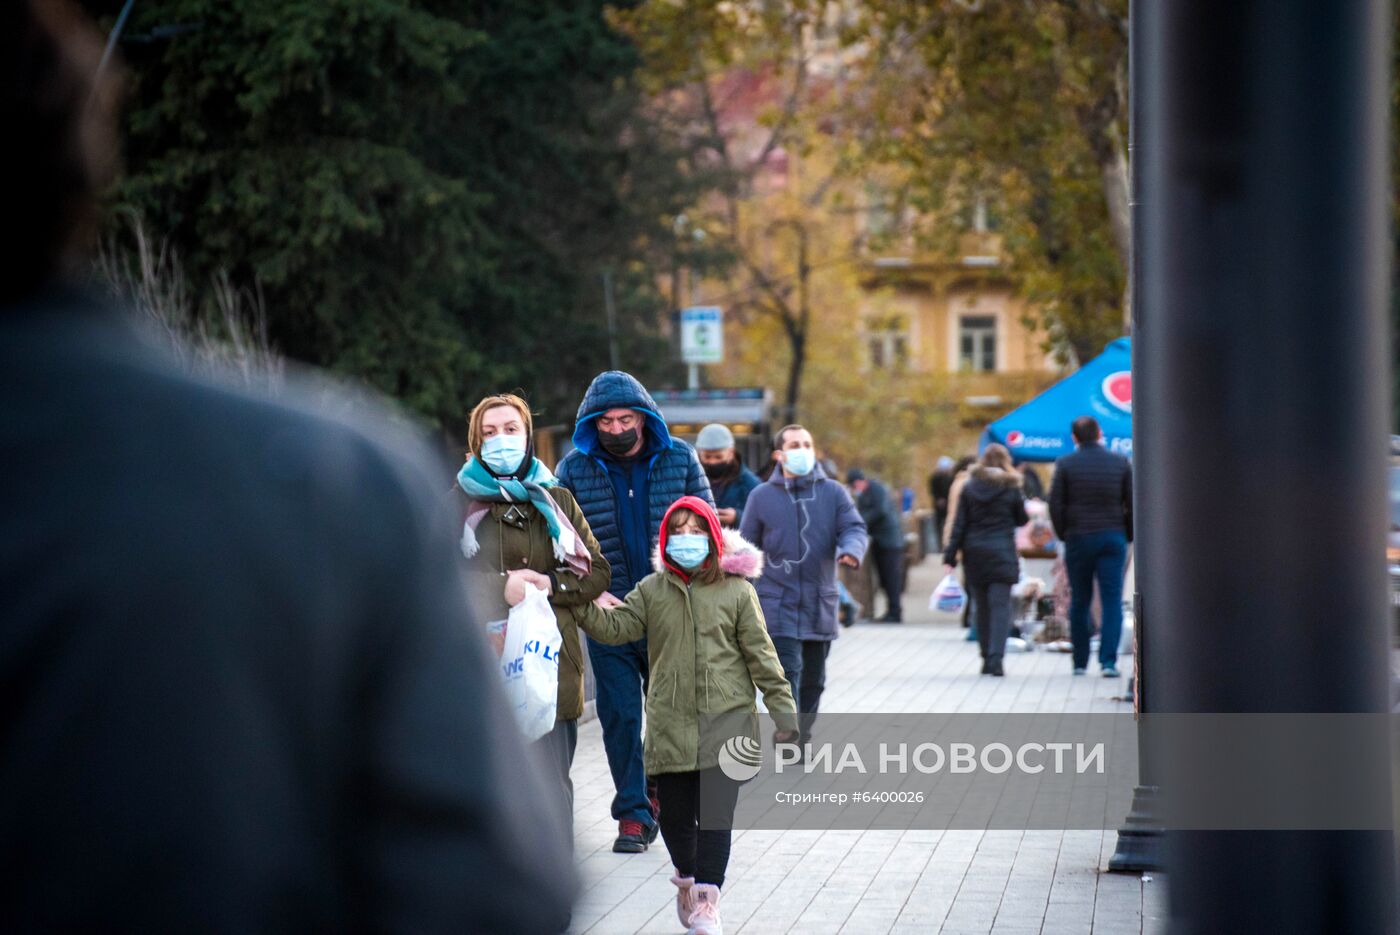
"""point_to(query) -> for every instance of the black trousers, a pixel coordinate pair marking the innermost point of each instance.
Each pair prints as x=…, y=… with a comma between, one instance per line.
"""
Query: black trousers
x=890, y=565
x=696, y=851
x=555, y=753
x=993, y=603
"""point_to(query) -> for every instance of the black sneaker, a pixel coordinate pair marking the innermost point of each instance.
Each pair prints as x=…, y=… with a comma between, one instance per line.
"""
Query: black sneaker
x=847, y=615
x=632, y=837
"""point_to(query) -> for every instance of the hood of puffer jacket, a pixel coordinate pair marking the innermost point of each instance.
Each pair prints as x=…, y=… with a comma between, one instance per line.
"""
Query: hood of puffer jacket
x=996, y=477
x=737, y=556
x=614, y=389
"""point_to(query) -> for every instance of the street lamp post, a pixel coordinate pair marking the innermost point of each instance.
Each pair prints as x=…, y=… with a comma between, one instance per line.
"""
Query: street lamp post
x=1139, y=843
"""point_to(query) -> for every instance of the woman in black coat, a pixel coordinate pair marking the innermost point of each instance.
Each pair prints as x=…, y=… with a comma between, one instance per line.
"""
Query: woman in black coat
x=990, y=509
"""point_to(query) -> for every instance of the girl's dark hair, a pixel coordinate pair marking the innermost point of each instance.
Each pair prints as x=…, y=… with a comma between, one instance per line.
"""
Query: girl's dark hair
x=709, y=572
x=60, y=113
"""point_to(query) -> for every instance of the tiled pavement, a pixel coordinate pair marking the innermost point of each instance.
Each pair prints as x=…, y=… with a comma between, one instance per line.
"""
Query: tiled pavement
x=954, y=882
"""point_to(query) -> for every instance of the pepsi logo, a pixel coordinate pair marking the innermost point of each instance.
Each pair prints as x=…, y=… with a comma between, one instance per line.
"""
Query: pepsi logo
x=1118, y=390
x=1015, y=439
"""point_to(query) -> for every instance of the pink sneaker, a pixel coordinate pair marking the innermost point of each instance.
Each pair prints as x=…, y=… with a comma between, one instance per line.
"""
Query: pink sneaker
x=685, y=899
x=704, y=919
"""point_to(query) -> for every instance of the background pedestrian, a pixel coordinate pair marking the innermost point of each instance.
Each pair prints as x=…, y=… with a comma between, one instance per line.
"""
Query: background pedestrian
x=625, y=471
x=955, y=489
x=805, y=523
x=990, y=509
x=707, y=641
x=1091, y=507
x=940, y=485
x=1030, y=480
x=516, y=515
x=730, y=481
x=882, y=525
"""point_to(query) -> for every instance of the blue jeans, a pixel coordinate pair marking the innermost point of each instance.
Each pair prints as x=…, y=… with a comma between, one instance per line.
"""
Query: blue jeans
x=1101, y=555
x=621, y=674
x=804, y=664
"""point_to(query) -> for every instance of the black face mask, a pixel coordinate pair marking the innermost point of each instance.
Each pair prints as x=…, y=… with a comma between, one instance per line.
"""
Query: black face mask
x=618, y=444
x=721, y=470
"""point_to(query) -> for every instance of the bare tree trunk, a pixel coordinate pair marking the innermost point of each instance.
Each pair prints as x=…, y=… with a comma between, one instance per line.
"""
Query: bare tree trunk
x=1120, y=220
x=799, y=329
x=797, y=340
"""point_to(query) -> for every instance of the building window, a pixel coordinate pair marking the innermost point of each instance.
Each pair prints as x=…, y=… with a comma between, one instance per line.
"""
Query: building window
x=982, y=216
x=977, y=343
x=888, y=341
x=881, y=216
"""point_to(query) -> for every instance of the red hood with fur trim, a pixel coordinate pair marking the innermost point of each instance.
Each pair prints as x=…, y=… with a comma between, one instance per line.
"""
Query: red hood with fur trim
x=735, y=554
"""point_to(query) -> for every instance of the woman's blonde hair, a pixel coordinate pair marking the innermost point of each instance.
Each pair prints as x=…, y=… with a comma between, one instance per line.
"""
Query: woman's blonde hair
x=709, y=572
x=491, y=402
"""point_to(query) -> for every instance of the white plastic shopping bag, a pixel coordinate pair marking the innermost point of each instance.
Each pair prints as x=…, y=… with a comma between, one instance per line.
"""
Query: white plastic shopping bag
x=530, y=663
x=949, y=597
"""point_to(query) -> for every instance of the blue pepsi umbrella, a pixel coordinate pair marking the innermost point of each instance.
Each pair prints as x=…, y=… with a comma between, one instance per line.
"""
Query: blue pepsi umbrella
x=1102, y=388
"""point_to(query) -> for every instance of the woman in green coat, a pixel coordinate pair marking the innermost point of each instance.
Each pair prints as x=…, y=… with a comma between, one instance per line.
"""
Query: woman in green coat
x=517, y=517
x=708, y=652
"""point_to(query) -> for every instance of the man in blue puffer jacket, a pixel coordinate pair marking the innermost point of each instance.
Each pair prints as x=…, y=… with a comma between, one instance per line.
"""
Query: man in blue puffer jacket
x=624, y=471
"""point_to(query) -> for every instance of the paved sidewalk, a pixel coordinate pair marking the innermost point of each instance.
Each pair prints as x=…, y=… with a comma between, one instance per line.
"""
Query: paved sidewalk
x=954, y=882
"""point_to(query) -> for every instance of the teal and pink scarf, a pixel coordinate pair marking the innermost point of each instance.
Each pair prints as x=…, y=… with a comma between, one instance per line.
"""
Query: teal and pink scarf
x=483, y=489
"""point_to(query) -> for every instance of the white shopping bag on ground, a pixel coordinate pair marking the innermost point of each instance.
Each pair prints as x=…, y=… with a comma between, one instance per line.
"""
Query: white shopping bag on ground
x=530, y=663
x=949, y=597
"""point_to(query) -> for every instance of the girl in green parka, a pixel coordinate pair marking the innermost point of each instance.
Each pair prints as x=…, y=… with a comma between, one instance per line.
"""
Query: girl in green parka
x=708, y=651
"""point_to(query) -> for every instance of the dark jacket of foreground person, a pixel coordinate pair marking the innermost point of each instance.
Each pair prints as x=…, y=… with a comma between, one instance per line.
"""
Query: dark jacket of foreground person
x=242, y=690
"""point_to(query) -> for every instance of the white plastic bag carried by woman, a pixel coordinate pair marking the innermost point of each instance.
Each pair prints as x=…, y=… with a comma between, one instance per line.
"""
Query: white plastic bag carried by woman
x=949, y=597
x=530, y=663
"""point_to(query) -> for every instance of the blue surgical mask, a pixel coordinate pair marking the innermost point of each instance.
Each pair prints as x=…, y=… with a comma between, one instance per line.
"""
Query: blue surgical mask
x=503, y=453
x=799, y=461
x=688, y=549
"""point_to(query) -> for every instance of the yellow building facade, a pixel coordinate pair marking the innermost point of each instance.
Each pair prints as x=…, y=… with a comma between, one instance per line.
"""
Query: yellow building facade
x=959, y=316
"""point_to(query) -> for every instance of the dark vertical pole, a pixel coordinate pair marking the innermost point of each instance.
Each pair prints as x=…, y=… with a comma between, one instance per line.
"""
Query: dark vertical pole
x=1264, y=276
x=1139, y=842
x=610, y=305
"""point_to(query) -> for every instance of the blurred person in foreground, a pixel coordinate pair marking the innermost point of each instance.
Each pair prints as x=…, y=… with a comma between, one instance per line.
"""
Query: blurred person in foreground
x=242, y=689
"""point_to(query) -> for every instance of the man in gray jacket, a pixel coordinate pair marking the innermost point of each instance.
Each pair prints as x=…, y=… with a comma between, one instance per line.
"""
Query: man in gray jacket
x=805, y=523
